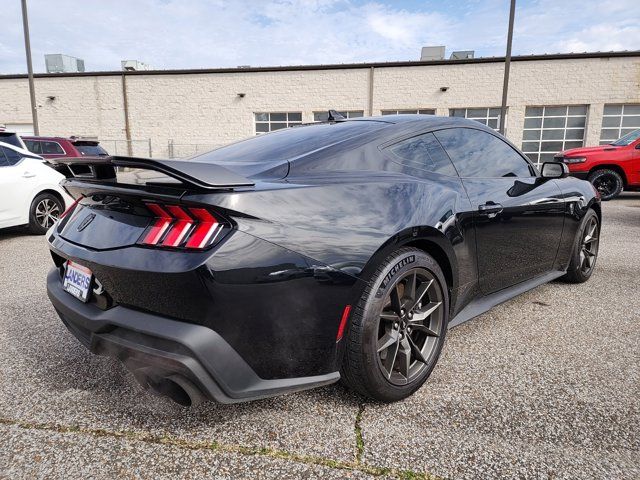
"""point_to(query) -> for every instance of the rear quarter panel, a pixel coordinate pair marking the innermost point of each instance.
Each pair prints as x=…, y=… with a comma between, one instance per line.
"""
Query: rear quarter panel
x=343, y=220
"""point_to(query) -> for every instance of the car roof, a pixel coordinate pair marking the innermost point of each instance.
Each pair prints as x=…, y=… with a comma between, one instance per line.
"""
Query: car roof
x=33, y=137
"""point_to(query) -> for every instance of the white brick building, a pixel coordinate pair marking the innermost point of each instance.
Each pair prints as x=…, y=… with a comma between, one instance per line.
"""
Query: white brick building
x=214, y=107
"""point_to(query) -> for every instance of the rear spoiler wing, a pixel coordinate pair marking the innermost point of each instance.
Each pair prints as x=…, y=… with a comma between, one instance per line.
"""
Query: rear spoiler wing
x=197, y=174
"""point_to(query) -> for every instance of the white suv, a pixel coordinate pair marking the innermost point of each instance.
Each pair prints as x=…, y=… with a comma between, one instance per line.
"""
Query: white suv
x=30, y=193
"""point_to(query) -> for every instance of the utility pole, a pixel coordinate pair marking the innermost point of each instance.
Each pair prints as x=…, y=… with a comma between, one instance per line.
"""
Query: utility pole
x=507, y=65
x=27, y=47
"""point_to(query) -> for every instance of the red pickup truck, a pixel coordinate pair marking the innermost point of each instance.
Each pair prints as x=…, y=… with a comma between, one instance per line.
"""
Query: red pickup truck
x=610, y=168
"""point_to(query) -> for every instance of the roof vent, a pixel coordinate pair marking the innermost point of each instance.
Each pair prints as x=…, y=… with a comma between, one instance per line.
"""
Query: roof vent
x=59, y=63
x=432, y=53
x=462, y=55
x=134, y=65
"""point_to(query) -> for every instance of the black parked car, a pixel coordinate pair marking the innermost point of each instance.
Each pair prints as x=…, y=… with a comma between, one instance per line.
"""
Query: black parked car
x=333, y=251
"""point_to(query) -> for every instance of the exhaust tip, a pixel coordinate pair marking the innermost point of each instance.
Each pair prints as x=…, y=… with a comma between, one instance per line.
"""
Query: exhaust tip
x=180, y=390
x=176, y=387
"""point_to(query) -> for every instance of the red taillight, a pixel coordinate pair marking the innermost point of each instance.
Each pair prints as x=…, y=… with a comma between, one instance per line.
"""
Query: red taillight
x=181, y=227
x=206, y=229
x=160, y=224
x=343, y=322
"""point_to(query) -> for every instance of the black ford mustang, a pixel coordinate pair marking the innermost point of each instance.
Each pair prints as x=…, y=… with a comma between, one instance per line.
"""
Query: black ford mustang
x=333, y=251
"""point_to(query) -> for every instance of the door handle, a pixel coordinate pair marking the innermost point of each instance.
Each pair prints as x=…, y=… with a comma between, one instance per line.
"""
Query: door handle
x=28, y=175
x=490, y=209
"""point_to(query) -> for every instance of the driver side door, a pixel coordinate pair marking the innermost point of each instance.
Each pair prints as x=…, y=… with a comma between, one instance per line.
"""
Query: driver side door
x=518, y=215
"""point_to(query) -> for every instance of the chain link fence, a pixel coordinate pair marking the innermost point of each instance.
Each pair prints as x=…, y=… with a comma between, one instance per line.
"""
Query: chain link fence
x=146, y=148
x=135, y=148
x=184, y=150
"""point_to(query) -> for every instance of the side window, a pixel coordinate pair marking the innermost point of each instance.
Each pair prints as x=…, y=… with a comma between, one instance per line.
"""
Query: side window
x=12, y=157
x=33, y=146
x=476, y=153
x=3, y=160
x=49, y=148
x=423, y=152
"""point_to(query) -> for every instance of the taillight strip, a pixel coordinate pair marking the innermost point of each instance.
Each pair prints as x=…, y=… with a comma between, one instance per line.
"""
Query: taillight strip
x=204, y=231
x=180, y=228
x=159, y=227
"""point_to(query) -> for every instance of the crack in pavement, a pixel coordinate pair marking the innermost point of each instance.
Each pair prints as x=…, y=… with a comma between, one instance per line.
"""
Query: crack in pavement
x=357, y=465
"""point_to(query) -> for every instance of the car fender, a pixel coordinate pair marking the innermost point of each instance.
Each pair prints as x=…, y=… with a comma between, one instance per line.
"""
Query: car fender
x=429, y=239
x=48, y=179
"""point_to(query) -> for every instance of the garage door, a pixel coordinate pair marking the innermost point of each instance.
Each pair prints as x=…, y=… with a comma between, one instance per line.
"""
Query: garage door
x=19, y=128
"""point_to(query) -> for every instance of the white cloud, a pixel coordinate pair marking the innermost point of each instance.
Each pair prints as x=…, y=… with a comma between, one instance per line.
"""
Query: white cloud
x=217, y=33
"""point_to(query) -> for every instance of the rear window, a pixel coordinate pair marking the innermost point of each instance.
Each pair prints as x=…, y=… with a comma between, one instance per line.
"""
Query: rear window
x=90, y=150
x=10, y=138
x=288, y=143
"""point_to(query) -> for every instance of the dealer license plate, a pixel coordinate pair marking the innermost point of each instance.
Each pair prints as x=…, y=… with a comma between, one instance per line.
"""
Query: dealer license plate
x=77, y=281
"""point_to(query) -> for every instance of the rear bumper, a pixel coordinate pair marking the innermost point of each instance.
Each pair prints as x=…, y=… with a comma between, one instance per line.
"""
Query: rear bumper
x=147, y=342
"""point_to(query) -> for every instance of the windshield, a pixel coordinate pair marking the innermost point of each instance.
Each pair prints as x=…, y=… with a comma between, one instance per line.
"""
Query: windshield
x=627, y=139
x=90, y=150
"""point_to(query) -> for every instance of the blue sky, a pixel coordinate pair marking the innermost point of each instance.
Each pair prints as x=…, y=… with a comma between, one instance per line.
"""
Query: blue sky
x=218, y=33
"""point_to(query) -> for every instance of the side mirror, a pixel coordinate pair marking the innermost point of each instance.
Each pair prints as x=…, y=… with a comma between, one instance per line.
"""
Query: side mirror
x=554, y=170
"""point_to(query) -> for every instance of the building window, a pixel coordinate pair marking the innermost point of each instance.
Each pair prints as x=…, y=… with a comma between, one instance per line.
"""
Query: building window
x=324, y=116
x=422, y=111
x=548, y=130
x=268, y=122
x=489, y=116
x=618, y=121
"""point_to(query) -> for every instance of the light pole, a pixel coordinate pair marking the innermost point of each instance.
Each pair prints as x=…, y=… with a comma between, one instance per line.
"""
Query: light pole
x=507, y=65
x=27, y=47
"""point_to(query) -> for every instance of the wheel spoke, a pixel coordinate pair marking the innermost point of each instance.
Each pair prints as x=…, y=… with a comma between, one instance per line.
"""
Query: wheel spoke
x=391, y=359
x=417, y=353
x=390, y=316
x=387, y=340
x=410, y=288
x=423, y=328
x=404, y=358
x=426, y=311
x=394, y=296
x=422, y=291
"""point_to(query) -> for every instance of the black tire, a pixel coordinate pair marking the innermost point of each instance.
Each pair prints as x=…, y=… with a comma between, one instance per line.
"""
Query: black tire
x=370, y=371
x=585, y=250
x=45, y=209
x=608, y=182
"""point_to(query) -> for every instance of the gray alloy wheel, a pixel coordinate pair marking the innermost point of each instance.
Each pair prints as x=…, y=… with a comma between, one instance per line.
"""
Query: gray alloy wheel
x=398, y=328
x=585, y=250
x=410, y=323
x=589, y=247
x=45, y=210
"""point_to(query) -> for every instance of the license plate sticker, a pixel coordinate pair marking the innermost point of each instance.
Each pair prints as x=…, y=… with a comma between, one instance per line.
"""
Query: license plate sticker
x=77, y=281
